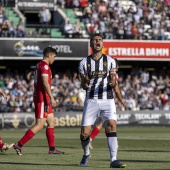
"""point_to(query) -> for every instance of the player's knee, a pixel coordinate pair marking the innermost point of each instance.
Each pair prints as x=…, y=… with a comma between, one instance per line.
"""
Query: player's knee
x=84, y=136
x=111, y=128
x=99, y=126
x=50, y=125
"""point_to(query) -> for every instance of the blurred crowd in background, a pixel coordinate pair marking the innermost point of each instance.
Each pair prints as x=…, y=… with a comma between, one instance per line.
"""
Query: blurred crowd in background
x=9, y=29
x=141, y=89
x=118, y=19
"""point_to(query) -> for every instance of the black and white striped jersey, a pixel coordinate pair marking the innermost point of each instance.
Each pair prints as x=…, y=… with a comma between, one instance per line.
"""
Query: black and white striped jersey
x=98, y=73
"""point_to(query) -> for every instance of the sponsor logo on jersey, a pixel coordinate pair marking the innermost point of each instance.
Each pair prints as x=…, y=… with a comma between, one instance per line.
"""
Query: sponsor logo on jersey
x=46, y=67
x=105, y=64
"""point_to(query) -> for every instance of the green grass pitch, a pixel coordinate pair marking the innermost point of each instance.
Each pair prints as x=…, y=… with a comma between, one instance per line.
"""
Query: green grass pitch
x=139, y=148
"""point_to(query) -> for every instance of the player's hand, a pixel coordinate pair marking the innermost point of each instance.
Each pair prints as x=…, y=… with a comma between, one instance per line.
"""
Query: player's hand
x=53, y=103
x=124, y=105
x=85, y=79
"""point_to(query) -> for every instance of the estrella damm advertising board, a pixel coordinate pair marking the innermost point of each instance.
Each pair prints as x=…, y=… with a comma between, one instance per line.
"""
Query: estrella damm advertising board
x=137, y=50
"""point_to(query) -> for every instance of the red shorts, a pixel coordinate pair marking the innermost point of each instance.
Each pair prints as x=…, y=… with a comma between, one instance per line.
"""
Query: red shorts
x=42, y=111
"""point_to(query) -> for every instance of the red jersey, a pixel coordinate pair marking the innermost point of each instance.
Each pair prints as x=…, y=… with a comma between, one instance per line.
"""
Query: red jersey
x=42, y=69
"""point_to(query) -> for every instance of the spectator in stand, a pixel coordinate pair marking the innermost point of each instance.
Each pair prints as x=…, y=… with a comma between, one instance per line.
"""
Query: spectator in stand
x=45, y=18
x=69, y=29
x=12, y=30
x=68, y=3
x=5, y=28
x=61, y=3
x=77, y=30
x=145, y=77
x=83, y=3
x=2, y=82
x=87, y=14
x=20, y=29
x=1, y=15
x=102, y=7
x=91, y=29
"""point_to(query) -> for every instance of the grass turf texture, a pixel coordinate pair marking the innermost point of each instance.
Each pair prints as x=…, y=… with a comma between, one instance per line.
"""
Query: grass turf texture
x=139, y=148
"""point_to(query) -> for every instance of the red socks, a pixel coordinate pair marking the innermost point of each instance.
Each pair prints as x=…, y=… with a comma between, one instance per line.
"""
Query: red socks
x=50, y=137
x=28, y=135
x=1, y=143
x=94, y=132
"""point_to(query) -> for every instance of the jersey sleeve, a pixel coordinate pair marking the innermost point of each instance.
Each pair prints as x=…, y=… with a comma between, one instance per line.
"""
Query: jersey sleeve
x=44, y=70
x=112, y=63
x=81, y=67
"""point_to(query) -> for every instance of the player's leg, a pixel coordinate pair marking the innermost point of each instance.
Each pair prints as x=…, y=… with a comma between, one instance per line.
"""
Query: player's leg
x=90, y=113
x=41, y=117
x=110, y=118
x=50, y=134
x=96, y=130
x=29, y=135
x=85, y=142
x=4, y=146
x=112, y=139
x=113, y=145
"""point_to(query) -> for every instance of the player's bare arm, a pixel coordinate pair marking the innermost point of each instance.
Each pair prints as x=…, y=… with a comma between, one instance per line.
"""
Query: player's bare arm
x=112, y=75
x=84, y=81
x=48, y=90
x=119, y=96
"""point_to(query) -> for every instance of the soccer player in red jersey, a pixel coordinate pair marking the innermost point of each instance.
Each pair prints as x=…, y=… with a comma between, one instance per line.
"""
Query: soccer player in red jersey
x=44, y=102
x=4, y=146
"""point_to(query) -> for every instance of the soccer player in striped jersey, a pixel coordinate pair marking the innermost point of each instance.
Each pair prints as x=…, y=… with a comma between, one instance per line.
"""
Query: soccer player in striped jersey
x=96, y=130
x=44, y=102
x=4, y=146
x=98, y=78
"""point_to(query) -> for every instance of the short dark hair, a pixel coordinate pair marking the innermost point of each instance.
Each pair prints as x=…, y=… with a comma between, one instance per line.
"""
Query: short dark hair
x=94, y=35
x=48, y=50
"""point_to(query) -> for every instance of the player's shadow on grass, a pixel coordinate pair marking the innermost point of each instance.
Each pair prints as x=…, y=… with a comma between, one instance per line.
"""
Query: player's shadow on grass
x=47, y=147
x=144, y=161
x=26, y=163
x=144, y=151
x=37, y=164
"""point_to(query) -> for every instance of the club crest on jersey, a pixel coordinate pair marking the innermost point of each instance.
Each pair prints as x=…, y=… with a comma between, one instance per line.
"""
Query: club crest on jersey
x=88, y=65
x=105, y=64
x=46, y=67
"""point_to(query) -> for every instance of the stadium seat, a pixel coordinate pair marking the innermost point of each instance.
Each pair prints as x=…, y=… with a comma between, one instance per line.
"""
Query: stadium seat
x=12, y=16
x=56, y=33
